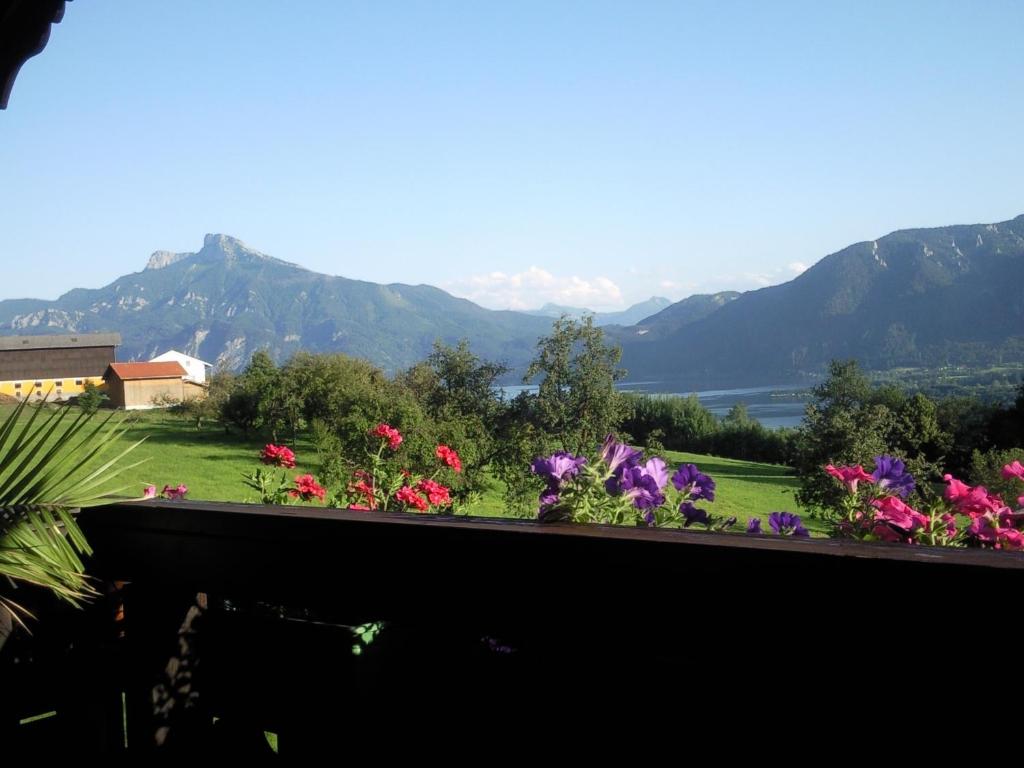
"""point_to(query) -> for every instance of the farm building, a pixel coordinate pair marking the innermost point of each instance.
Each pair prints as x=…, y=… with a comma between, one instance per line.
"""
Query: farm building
x=54, y=367
x=136, y=386
x=195, y=369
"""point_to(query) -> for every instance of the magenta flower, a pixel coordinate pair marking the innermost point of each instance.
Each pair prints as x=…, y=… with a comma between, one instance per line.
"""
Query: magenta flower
x=971, y=501
x=1016, y=469
x=175, y=492
x=895, y=512
x=149, y=492
x=997, y=529
x=849, y=475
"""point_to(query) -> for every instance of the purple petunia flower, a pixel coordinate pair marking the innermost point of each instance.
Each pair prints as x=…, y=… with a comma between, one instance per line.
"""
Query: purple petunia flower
x=642, y=484
x=557, y=467
x=692, y=515
x=891, y=475
x=618, y=455
x=754, y=525
x=554, y=470
x=549, y=497
x=700, y=485
x=787, y=524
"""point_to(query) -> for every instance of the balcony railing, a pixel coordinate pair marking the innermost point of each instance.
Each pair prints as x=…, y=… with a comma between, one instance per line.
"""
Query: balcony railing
x=221, y=623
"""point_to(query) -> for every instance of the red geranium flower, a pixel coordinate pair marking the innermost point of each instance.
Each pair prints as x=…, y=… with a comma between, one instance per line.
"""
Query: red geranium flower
x=449, y=457
x=278, y=455
x=365, y=490
x=436, y=493
x=389, y=433
x=410, y=498
x=307, y=489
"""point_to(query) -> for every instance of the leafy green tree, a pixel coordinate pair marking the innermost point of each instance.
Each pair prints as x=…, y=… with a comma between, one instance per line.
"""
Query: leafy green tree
x=242, y=407
x=684, y=423
x=577, y=403
x=459, y=394
x=209, y=407
x=739, y=416
x=840, y=427
x=986, y=470
x=91, y=398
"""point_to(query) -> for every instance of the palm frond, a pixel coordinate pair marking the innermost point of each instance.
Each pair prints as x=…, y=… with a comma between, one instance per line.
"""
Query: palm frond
x=51, y=464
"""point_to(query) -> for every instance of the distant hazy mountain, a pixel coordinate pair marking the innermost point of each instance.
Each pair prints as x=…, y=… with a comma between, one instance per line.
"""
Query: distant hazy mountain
x=950, y=295
x=628, y=316
x=226, y=301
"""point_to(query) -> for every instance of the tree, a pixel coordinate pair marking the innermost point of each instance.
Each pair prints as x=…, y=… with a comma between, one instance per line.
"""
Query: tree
x=210, y=406
x=577, y=402
x=840, y=427
x=91, y=398
x=242, y=407
x=459, y=394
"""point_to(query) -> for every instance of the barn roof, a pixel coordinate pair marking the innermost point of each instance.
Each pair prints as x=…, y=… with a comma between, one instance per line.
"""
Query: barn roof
x=61, y=341
x=129, y=371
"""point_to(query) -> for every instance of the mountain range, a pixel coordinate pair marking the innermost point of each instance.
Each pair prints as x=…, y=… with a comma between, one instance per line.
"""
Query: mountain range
x=227, y=300
x=917, y=297
x=628, y=316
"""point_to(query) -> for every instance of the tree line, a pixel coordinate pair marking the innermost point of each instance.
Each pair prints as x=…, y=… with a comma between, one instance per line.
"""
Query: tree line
x=453, y=398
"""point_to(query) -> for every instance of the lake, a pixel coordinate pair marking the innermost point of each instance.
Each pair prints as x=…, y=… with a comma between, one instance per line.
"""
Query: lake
x=775, y=405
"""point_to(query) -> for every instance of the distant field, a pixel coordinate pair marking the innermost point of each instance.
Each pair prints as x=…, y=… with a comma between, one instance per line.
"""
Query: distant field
x=211, y=463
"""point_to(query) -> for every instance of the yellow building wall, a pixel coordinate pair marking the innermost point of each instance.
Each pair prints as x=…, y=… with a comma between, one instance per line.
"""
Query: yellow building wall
x=58, y=389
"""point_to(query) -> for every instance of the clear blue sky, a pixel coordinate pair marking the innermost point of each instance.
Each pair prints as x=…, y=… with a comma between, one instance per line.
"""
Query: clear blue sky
x=586, y=152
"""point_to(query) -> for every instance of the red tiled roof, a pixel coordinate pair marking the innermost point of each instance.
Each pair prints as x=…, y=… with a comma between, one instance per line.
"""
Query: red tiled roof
x=127, y=371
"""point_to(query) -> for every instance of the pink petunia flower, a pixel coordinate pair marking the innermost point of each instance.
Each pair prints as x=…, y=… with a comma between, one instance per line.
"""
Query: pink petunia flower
x=149, y=492
x=894, y=511
x=1016, y=469
x=971, y=501
x=849, y=475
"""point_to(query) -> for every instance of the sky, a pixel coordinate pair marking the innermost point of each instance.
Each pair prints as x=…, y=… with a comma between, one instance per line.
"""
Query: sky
x=583, y=153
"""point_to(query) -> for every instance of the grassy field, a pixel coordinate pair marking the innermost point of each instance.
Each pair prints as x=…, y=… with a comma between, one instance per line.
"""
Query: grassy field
x=212, y=463
x=745, y=489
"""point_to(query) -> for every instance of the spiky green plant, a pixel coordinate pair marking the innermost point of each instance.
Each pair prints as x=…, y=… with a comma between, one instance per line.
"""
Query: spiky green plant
x=53, y=462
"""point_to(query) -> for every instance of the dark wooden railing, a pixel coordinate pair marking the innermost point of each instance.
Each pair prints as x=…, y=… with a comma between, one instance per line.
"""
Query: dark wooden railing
x=222, y=622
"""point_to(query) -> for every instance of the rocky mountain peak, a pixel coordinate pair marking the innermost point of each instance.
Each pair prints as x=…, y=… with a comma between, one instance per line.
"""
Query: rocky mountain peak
x=161, y=259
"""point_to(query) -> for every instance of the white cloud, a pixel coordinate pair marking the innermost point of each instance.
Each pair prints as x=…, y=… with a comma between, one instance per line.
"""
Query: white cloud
x=536, y=287
x=797, y=267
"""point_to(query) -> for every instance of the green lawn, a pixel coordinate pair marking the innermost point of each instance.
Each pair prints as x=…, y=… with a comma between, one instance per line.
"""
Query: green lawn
x=211, y=463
